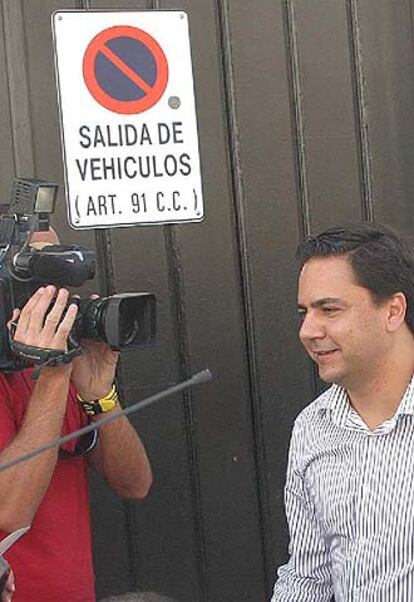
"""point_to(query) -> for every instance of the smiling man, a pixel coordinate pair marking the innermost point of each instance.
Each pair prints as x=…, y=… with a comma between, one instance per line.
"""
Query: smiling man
x=350, y=483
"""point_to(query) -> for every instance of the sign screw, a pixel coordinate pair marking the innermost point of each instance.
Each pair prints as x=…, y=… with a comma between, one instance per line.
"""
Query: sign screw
x=174, y=102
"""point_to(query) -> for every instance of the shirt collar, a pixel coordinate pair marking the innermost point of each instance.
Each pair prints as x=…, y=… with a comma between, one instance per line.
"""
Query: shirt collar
x=407, y=402
x=335, y=402
x=335, y=399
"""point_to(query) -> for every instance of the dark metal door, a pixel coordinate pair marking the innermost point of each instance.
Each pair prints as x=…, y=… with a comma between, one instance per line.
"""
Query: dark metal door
x=305, y=119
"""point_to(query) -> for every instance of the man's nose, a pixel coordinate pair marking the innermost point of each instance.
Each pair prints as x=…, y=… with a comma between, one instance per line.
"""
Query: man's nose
x=311, y=328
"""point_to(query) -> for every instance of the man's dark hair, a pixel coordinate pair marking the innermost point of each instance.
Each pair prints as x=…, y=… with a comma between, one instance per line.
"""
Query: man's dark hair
x=382, y=260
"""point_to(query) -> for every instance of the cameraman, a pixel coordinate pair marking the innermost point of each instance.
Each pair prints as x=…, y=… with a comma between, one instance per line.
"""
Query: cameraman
x=53, y=563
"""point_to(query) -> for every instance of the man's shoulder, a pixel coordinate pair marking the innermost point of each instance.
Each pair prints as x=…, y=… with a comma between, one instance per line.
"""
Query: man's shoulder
x=312, y=428
x=317, y=408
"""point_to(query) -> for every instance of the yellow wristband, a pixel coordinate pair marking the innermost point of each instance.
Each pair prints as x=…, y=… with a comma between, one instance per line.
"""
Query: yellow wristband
x=99, y=406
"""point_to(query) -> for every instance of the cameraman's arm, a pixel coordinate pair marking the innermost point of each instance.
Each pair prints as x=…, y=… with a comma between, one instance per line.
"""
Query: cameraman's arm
x=121, y=459
x=120, y=456
x=24, y=486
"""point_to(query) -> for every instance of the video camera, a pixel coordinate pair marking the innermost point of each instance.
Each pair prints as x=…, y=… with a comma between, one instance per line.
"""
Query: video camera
x=124, y=321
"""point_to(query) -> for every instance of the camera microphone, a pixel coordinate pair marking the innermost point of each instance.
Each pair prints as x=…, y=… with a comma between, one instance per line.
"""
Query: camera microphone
x=125, y=321
x=62, y=265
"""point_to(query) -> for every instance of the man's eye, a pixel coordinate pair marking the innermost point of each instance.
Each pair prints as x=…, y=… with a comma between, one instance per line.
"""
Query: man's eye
x=301, y=314
x=330, y=310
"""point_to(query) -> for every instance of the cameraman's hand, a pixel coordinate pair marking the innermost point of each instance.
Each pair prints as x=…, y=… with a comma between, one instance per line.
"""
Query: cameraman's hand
x=50, y=333
x=94, y=371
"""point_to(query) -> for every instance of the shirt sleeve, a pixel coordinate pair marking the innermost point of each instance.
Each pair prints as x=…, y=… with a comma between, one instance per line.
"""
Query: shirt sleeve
x=307, y=575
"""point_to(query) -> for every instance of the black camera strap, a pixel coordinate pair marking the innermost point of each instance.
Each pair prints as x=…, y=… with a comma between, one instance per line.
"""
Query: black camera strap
x=41, y=356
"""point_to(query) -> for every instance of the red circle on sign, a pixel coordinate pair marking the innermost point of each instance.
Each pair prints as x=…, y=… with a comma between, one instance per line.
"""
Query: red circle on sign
x=153, y=93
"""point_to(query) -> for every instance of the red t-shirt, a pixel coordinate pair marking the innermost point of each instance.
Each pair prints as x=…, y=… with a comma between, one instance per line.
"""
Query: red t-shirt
x=53, y=561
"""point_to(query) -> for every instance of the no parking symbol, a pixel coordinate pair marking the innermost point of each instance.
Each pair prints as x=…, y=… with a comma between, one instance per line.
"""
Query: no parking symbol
x=128, y=117
x=125, y=69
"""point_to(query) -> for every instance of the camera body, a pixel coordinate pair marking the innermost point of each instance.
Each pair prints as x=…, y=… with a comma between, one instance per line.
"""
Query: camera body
x=124, y=321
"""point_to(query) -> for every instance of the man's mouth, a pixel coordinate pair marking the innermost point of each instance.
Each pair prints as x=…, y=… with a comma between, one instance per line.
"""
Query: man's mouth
x=324, y=354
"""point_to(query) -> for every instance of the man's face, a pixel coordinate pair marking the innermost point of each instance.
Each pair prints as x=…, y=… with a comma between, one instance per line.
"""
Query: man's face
x=343, y=330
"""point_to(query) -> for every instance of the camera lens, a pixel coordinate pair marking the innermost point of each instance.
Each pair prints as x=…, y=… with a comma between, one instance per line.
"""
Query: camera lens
x=128, y=325
x=123, y=321
x=87, y=321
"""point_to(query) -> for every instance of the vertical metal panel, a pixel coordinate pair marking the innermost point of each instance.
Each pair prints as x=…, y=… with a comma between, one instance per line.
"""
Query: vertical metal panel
x=411, y=9
x=298, y=129
x=111, y=545
x=387, y=42
x=222, y=415
x=328, y=110
x=239, y=203
x=163, y=526
x=17, y=83
x=362, y=109
x=7, y=150
x=267, y=206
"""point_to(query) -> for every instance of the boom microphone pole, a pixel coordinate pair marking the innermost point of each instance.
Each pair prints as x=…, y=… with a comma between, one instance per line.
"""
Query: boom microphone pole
x=197, y=379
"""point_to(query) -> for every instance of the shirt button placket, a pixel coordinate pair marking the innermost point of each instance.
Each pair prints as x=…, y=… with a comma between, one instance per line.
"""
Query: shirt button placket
x=362, y=518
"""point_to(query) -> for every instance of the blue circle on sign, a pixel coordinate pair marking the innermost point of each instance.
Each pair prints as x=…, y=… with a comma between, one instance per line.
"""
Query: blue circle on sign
x=137, y=57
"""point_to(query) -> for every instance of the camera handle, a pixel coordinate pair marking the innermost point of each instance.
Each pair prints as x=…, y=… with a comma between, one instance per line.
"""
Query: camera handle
x=40, y=356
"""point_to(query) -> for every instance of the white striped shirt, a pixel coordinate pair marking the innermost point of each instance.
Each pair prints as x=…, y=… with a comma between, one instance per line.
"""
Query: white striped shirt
x=350, y=505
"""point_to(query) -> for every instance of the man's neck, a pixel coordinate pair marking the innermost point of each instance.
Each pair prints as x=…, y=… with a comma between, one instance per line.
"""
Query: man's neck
x=378, y=400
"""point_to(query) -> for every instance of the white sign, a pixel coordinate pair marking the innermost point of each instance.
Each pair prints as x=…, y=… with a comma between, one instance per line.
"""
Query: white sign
x=128, y=120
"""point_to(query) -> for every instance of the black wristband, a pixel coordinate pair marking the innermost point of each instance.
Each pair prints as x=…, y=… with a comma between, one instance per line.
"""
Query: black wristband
x=41, y=356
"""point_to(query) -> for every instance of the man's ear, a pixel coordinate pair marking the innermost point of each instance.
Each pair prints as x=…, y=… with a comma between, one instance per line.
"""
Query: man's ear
x=397, y=309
